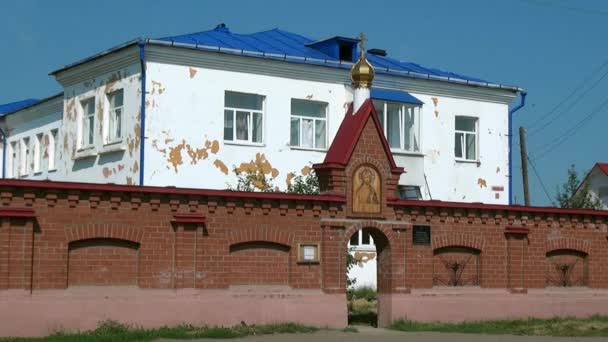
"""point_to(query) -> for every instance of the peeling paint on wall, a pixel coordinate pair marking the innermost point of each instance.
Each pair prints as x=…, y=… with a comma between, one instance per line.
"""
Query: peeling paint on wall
x=305, y=170
x=106, y=172
x=260, y=164
x=363, y=257
x=435, y=103
x=157, y=88
x=498, y=169
x=221, y=166
x=289, y=178
x=192, y=72
x=173, y=154
x=482, y=183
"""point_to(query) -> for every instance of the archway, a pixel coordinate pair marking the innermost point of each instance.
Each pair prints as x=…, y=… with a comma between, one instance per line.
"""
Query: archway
x=368, y=250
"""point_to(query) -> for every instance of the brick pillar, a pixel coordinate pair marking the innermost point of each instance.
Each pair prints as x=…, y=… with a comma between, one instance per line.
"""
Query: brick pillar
x=517, y=242
x=333, y=259
x=16, y=253
x=4, y=252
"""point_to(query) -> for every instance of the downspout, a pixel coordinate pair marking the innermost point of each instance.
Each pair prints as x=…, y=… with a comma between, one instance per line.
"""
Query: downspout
x=521, y=104
x=142, y=60
x=3, y=153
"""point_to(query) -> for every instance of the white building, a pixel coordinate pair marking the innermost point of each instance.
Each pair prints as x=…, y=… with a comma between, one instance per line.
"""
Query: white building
x=597, y=182
x=185, y=111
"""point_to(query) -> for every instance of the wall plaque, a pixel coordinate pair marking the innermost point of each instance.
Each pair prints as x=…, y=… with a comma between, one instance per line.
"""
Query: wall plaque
x=421, y=235
x=366, y=190
x=308, y=253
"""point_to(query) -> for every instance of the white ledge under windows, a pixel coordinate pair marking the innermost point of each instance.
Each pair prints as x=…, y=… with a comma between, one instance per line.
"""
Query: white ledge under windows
x=312, y=149
x=407, y=153
x=114, y=146
x=243, y=143
x=85, y=152
x=467, y=161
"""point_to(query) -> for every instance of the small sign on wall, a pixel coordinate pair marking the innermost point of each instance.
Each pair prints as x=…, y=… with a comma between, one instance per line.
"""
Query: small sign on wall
x=421, y=235
x=308, y=253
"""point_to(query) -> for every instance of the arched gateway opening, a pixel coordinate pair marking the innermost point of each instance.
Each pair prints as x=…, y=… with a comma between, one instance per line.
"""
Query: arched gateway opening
x=368, y=276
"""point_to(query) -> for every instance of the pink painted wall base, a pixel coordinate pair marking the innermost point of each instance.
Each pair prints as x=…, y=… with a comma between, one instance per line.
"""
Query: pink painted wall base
x=81, y=308
x=468, y=304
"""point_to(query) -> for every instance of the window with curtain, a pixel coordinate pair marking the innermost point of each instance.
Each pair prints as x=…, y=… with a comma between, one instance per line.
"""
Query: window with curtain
x=401, y=124
x=308, y=124
x=243, y=117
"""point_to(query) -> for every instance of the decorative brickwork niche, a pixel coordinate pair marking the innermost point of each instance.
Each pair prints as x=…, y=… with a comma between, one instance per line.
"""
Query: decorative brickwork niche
x=259, y=263
x=456, y=266
x=103, y=261
x=567, y=268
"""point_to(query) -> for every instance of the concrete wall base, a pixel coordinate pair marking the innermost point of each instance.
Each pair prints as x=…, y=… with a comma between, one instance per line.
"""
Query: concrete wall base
x=81, y=308
x=466, y=304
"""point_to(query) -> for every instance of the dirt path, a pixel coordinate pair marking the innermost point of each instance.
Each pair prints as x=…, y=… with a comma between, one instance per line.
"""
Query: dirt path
x=367, y=334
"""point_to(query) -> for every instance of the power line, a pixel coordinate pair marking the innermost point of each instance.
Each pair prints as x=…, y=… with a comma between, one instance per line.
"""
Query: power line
x=576, y=89
x=542, y=184
x=571, y=132
x=567, y=7
x=580, y=97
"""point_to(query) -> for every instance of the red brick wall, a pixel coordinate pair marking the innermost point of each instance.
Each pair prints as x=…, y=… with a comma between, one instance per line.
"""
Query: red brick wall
x=102, y=262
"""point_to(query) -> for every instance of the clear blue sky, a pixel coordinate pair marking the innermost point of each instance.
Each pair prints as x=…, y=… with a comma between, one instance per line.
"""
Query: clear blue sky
x=548, y=47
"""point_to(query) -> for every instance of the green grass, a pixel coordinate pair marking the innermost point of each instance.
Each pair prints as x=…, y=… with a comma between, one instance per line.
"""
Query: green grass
x=568, y=326
x=111, y=331
x=364, y=292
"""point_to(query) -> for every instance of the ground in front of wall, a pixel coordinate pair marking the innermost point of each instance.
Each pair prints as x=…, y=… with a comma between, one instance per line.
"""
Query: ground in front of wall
x=568, y=329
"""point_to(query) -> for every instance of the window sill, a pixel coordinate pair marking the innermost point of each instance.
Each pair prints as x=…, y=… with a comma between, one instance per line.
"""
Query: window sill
x=51, y=170
x=300, y=148
x=85, y=152
x=37, y=173
x=407, y=153
x=244, y=143
x=111, y=147
x=466, y=161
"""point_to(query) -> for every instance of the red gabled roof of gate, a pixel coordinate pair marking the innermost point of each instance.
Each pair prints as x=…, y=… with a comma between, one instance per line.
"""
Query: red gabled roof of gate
x=603, y=167
x=348, y=134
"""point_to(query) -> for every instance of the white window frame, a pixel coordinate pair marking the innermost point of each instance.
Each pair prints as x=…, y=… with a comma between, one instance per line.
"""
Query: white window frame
x=464, y=139
x=234, y=110
x=38, y=153
x=84, y=120
x=26, y=154
x=111, y=122
x=13, y=160
x=52, y=148
x=314, y=120
x=402, y=109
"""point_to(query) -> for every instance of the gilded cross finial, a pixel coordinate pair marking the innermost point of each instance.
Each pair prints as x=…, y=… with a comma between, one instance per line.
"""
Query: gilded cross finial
x=362, y=38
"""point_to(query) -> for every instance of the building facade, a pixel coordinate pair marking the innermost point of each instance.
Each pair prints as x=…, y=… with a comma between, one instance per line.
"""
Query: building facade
x=193, y=110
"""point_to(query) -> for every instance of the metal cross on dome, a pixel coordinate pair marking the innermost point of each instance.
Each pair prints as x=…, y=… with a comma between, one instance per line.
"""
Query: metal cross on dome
x=362, y=38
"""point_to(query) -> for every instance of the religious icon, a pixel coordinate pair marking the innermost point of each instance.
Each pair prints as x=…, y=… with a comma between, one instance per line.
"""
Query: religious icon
x=366, y=190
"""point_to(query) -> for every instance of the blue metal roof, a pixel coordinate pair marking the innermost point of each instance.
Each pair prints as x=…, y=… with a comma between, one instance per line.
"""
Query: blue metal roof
x=395, y=96
x=281, y=42
x=13, y=106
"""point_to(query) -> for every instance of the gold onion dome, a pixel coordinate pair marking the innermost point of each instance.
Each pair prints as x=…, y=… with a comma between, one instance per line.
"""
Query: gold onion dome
x=362, y=73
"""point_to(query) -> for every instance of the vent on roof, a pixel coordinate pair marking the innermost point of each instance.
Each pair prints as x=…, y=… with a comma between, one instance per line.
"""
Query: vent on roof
x=222, y=27
x=378, y=52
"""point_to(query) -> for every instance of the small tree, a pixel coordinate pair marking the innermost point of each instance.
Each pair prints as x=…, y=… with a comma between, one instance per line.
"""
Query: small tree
x=252, y=181
x=574, y=193
x=307, y=185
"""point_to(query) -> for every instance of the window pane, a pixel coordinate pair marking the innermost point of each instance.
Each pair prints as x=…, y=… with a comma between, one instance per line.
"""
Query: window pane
x=409, y=122
x=228, y=124
x=242, y=125
x=118, y=123
x=308, y=108
x=307, y=132
x=354, y=240
x=116, y=99
x=89, y=106
x=91, y=129
x=295, y=132
x=465, y=124
x=458, y=145
x=393, y=131
x=365, y=237
x=471, y=147
x=242, y=100
x=257, y=128
x=320, y=135
x=379, y=106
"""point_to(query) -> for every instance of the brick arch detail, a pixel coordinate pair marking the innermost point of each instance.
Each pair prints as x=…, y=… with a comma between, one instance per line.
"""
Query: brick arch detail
x=387, y=231
x=568, y=243
x=104, y=231
x=382, y=169
x=458, y=239
x=260, y=234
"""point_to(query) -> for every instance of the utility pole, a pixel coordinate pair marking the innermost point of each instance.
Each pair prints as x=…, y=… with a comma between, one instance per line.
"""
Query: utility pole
x=524, y=164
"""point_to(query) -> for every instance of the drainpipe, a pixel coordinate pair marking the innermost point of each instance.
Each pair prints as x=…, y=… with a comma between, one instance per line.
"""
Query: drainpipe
x=521, y=104
x=141, y=43
x=3, y=153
